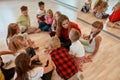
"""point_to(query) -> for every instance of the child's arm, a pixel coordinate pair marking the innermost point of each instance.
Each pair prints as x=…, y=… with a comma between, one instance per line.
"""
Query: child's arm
x=6, y=52
x=97, y=44
x=49, y=67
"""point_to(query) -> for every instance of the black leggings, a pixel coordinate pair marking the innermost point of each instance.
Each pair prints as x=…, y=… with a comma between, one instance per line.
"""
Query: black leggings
x=8, y=73
x=65, y=43
x=47, y=76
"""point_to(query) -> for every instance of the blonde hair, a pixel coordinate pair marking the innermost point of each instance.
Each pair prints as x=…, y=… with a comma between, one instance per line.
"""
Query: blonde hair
x=58, y=13
x=74, y=35
x=54, y=43
x=15, y=43
x=49, y=11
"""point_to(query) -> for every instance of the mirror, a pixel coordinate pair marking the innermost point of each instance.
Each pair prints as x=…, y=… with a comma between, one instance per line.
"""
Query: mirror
x=89, y=18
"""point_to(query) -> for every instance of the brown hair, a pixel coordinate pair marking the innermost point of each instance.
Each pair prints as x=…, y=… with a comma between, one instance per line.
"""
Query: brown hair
x=54, y=42
x=22, y=63
x=60, y=21
x=12, y=30
x=74, y=34
x=41, y=3
x=98, y=25
x=23, y=8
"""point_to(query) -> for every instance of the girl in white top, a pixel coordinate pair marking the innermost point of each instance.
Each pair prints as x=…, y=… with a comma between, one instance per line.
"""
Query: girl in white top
x=25, y=71
x=92, y=42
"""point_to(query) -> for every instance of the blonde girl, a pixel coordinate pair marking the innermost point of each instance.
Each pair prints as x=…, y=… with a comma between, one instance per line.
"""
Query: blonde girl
x=60, y=56
x=46, y=25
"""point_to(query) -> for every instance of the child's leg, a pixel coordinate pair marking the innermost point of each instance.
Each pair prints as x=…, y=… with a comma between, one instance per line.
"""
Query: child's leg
x=8, y=73
x=31, y=30
x=110, y=24
x=23, y=29
x=41, y=25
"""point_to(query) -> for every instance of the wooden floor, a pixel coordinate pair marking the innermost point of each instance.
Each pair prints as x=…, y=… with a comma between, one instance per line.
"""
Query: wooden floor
x=105, y=65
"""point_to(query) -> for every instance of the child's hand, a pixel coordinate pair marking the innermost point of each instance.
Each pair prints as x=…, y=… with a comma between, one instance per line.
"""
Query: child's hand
x=47, y=63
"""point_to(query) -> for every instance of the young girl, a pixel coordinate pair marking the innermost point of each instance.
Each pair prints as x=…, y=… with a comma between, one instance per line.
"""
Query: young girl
x=114, y=18
x=92, y=42
x=13, y=29
x=77, y=49
x=100, y=9
x=7, y=73
x=18, y=44
x=64, y=63
x=24, y=21
x=25, y=71
x=41, y=11
x=46, y=25
x=55, y=22
x=63, y=28
x=87, y=6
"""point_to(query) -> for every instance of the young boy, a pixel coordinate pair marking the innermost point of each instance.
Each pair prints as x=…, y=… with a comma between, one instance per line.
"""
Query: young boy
x=24, y=21
x=41, y=12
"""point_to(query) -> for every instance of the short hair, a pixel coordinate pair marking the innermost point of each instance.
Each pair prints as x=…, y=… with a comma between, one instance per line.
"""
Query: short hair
x=41, y=3
x=23, y=8
x=74, y=34
x=98, y=25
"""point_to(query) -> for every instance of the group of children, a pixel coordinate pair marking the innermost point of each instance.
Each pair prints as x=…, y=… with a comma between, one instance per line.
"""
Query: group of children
x=99, y=10
x=67, y=46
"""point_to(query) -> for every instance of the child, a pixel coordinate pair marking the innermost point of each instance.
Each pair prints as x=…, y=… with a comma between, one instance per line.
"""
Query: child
x=77, y=49
x=64, y=63
x=100, y=9
x=87, y=6
x=25, y=71
x=114, y=18
x=92, y=41
x=13, y=29
x=41, y=11
x=46, y=25
x=7, y=73
x=18, y=44
x=63, y=28
x=55, y=22
x=24, y=21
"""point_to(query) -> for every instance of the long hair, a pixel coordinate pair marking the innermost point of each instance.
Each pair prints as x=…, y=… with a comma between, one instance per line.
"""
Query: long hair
x=12, y=30
x=22, y=63
x=49, y=11
x=58, y=13
x=60, y=21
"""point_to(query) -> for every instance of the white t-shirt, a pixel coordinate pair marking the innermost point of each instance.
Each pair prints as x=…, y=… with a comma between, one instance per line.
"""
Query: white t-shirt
x=40, y=13
x=77, y=48
x=34, y=74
